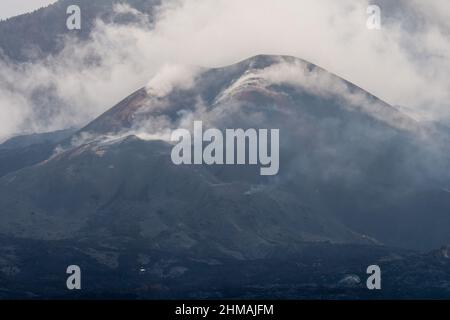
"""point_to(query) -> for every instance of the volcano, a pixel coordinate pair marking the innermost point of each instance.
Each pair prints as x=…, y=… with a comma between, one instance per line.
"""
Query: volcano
x=354, y=171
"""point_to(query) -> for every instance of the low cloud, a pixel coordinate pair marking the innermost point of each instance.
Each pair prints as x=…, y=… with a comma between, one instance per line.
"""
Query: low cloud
x=171, y=77
x=406, y=63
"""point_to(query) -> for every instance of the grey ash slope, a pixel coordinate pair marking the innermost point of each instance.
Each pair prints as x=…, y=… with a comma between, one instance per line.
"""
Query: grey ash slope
x=24, y=151
x=353, y=169
x=133, y=192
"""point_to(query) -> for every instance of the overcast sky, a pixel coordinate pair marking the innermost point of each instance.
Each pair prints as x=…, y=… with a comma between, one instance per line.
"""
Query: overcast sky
x=11, y=8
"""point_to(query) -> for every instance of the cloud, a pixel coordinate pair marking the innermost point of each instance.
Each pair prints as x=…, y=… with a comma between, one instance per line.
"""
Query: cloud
x=329, y=33
x=10, y=8
x=171, y=77
x=318, y=82
x=406, y=63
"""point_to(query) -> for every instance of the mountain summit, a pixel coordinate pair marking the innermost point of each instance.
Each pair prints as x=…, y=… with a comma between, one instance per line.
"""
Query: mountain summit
x=257, y=82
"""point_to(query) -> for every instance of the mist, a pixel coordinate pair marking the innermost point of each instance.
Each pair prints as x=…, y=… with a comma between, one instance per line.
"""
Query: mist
x=405, y=63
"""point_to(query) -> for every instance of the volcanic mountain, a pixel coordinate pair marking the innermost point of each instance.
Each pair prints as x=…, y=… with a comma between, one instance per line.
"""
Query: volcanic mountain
x=351, y=169
x=356, y=178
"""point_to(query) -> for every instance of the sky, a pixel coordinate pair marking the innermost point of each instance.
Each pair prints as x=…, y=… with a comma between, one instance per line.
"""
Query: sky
x=11, y=8
x=406, y=63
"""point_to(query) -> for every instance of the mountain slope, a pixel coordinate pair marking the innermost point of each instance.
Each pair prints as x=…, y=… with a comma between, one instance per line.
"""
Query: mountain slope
x=23, y=151
x=41, y=33
x=131, y=190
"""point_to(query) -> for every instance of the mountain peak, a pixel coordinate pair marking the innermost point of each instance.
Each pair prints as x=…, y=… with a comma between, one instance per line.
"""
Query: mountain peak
x=271, y=83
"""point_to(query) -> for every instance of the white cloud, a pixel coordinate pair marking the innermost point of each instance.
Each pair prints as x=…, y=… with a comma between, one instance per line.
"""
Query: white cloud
x=171, y=77
x=403, y=66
